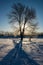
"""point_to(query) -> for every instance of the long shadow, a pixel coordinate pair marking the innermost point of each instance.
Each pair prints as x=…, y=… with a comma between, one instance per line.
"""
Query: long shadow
x=17, y=56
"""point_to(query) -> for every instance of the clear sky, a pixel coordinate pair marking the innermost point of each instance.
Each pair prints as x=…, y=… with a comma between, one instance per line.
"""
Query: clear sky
x=5, y=8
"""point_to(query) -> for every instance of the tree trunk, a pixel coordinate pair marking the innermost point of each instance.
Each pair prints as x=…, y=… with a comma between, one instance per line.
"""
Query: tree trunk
x=30, y=39
x=21, y=38
x=22, y=33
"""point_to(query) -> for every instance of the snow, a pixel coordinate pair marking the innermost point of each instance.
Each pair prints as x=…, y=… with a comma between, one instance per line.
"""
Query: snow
x=32, y=48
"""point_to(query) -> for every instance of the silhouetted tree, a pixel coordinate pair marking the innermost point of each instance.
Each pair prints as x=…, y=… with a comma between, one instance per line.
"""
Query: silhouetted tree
x=33, y=26
x=22, y=15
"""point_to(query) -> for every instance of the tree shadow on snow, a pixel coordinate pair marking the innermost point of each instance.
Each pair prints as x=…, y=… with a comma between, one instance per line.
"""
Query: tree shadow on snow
x=17, y=56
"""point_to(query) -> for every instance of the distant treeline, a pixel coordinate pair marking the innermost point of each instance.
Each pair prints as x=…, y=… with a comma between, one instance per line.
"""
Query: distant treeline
x=18, y=36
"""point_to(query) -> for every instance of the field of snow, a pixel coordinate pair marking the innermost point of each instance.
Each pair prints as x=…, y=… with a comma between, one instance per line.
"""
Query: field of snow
x=35, y=48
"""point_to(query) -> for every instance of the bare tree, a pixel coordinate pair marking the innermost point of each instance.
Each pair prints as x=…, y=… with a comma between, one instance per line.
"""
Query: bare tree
x=33, y=26
x=22, y=15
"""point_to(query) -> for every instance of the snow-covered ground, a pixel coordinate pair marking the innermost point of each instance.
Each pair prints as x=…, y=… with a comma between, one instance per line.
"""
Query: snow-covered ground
x=35, y=48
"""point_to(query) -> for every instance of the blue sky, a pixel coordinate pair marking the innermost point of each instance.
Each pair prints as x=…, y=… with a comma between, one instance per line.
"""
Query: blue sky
x=5, y=8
